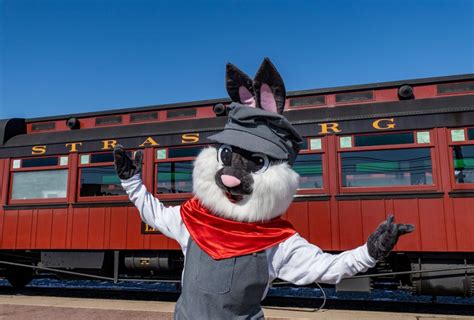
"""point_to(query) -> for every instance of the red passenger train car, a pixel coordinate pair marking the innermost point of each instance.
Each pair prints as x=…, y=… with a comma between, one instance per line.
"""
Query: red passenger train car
x=404, y=147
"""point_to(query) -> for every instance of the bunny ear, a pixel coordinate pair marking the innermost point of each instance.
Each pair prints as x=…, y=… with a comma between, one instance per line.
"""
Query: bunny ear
x=269, y=88
x=239, y=86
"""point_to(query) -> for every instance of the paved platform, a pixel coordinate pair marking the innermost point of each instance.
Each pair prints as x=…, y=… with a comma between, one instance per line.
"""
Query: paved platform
x=19, y=307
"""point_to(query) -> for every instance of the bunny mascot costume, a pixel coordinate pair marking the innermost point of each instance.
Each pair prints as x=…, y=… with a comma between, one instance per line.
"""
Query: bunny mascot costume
x=231, y=234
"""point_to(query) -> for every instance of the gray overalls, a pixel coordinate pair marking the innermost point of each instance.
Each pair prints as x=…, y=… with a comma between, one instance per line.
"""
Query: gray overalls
x=222, y=289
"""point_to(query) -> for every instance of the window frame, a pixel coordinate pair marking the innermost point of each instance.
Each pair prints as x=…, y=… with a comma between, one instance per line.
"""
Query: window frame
x=371, y=91
x=156, y=163
x=166, y=118
x=80, y=198
x=451, y=144
x=324, y=155
x=308, y=106
x=387, y=189
x=12, y=170
x=453, y=93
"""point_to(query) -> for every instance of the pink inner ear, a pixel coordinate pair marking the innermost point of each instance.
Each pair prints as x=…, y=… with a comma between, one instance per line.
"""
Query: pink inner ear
x=246, y=97
x=267, y=100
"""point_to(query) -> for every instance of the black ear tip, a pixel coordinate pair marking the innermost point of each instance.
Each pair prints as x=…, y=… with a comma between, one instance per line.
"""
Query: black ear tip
x=268, y=63
x=229, y=66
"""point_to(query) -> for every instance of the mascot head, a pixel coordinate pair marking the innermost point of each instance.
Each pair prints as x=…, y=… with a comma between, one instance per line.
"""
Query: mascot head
x=248, y=176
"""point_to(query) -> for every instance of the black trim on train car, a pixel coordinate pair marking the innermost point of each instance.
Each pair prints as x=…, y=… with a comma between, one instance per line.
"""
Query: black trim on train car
x=367, y=111
x=117, y=132
x=397, y=195
x=383, y=109
x=35, y=206
x=388, y=84
x=311, y=197
x=93, y=204
x=461, y=194
x=175, y=201
x=10, y=128
x=409, y=115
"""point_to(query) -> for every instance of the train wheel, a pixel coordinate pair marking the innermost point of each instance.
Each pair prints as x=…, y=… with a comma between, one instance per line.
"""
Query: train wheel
x=19, y=277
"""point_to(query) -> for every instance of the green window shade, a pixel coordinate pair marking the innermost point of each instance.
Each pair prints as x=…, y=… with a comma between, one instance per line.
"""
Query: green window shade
x=174, y=177
x=463, y=157
x=310, y=169
x=99, y=182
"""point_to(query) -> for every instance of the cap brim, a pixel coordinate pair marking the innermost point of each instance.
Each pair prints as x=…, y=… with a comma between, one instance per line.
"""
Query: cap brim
x=249, y=142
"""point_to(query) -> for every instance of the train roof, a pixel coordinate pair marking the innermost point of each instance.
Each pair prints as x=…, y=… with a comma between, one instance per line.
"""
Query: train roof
x=351, y=88
x=445, y=97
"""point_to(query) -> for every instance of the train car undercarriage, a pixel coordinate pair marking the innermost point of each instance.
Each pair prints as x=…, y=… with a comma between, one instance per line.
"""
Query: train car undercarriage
x=430, y=274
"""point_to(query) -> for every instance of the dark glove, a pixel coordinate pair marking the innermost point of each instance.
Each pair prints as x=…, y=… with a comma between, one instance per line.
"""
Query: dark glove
x=124, y=166
x=384, y=238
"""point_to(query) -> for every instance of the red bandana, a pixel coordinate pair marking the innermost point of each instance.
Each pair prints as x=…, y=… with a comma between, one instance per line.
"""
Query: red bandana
x=221, y=238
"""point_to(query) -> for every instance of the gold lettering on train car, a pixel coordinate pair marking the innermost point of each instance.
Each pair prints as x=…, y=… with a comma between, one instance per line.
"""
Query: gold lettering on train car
x=190, y=138
x=149, y=229
x=389, y=125
x=35, y=150
x=73, y=146
x=334, y=126
x=108, y=144
x=149, y=142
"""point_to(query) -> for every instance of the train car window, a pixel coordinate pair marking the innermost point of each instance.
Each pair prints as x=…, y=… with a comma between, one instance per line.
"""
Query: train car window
x=463, y=157
x=383, y=139
x=145, y=116
x=174, y=169
x=470, y=134
x=455, y=87
x=100, y=181
x=399, y=167
x=354, y=96
x=43, y=126
x=108, y=120
x=45, y=184
x=98, y=177
x=184, y=152
x=458, y=135
x=304, y=145
x=104, y=157
x=310, y=168
x=39, y=162
x=174, y=177
x=180, y=113
x=308, y=101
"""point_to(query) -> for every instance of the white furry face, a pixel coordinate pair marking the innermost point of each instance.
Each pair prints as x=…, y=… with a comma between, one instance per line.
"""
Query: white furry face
x=272, y=191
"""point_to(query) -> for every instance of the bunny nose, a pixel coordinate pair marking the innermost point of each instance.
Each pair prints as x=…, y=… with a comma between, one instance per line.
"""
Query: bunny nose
x=230, y=181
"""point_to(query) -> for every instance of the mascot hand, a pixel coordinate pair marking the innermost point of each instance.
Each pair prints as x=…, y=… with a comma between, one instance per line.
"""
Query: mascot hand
x=124, y=166
x=384, y=238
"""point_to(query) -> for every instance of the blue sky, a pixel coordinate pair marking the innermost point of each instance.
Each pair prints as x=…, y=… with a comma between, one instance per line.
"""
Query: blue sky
x=70, y=56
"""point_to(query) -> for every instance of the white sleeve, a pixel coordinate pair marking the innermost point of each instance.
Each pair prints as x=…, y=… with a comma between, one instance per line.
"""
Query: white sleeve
x=300, y=262
x=166, y=219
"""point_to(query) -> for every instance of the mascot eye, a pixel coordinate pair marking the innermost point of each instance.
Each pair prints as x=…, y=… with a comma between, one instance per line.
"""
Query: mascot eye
x=260, y=162
x=224, y=155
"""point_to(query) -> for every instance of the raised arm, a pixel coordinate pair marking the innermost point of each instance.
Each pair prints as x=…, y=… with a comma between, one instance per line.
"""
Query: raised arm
x=166, y=219
x=300, y=262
